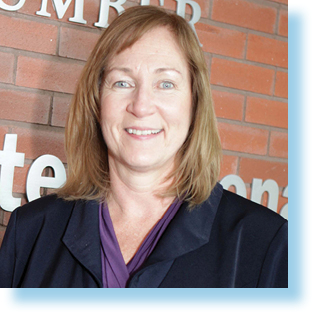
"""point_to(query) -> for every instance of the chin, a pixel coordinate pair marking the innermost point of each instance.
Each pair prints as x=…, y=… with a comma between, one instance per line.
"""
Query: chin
x=146, y=163
x=141, y=165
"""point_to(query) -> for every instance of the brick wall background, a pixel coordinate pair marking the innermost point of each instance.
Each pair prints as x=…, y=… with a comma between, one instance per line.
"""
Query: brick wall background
x=246, y=48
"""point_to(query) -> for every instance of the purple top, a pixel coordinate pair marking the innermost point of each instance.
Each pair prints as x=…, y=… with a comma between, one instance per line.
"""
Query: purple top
x=115, y=272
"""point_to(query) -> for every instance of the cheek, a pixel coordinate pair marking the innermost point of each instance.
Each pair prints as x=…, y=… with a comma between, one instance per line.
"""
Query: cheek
x=180, y=119
x=108, y=119
x=109, y=110
x=186, y=111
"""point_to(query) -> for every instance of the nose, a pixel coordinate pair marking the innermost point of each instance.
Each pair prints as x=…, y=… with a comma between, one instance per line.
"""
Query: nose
x=142, y=102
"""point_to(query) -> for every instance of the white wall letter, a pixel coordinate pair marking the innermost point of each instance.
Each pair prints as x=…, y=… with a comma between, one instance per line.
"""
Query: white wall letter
x=196, y=12
x=237, y=182
x=9, y=158
x=104, y=10
x=15, y=7
x=284, y=210
x=61, y=9
x=35, y=180
x=271, y=187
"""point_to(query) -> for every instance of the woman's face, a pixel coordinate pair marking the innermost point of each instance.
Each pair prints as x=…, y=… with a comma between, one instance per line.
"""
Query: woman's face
x=146, y=103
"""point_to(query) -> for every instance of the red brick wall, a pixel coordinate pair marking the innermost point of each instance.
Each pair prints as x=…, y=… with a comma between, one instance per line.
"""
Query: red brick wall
x=246, y=48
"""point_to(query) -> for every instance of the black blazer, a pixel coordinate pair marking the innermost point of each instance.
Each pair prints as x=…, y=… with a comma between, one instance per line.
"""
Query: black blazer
x=226, y=242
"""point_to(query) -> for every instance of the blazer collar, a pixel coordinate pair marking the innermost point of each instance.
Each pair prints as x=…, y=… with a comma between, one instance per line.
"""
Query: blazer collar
x=82, y=237
x=189, y=230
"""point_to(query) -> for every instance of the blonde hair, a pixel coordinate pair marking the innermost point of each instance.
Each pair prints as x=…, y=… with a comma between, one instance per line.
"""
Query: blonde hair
x=197, y=162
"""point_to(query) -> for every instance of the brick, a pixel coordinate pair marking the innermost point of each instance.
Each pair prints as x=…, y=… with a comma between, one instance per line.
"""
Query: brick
x=171, y=5
x=281, y=88
x=228, y=105
x=266, y=112
x=76, y=44
x=221, y=41
x=278, y=146
x=19, y=180
x=242, y=76
x=266, y=50
x=228, y=165
x=3, y=131
x=47, y=74
x=6, y=217
x=24, y=106
x=24, y=201
x=283, y=23
x=243, y=139
x=6, y=67
x=2, y=231
x=28, y=35
x=256, y=168
x=280, y=1
x=246, y=14
x=60, y=110
x=36, y=142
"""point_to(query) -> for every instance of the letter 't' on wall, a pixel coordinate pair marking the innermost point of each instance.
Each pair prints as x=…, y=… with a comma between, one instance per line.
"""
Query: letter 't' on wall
x=35, y=180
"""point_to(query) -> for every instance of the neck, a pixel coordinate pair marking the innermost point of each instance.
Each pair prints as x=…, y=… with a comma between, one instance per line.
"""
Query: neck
x=135, y=193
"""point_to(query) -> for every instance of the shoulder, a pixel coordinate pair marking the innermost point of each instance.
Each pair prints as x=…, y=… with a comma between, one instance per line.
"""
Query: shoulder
x=49, y=213
x=49, y=205
x=253, y=218
x=44, y=219
x=241, y=206
x=52, y=213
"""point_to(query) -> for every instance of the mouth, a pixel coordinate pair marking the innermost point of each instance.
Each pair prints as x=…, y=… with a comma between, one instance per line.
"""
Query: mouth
x=144, y=132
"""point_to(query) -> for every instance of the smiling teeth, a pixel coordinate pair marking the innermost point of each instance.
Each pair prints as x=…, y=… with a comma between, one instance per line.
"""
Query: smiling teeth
x=142, y=132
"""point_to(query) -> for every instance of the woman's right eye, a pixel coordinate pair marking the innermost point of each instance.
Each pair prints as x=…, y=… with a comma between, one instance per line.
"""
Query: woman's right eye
x=122, y=84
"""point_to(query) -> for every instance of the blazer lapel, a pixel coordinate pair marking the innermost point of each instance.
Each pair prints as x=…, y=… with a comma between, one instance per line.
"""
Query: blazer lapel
x=188, y=231
x=82, y=237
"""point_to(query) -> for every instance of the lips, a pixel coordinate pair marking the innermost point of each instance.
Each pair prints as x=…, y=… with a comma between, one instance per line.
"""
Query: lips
x=144, y=132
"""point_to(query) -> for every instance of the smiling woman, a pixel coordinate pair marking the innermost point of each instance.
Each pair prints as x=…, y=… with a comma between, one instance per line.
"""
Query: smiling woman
x=141, y=206
x=137, y=55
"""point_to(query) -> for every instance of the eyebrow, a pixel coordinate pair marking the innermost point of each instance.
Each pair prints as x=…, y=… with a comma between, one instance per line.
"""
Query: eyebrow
x=128, y=70
x=160, y=70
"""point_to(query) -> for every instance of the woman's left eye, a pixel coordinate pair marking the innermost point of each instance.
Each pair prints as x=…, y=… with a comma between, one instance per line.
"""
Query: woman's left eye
x=166, y=85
